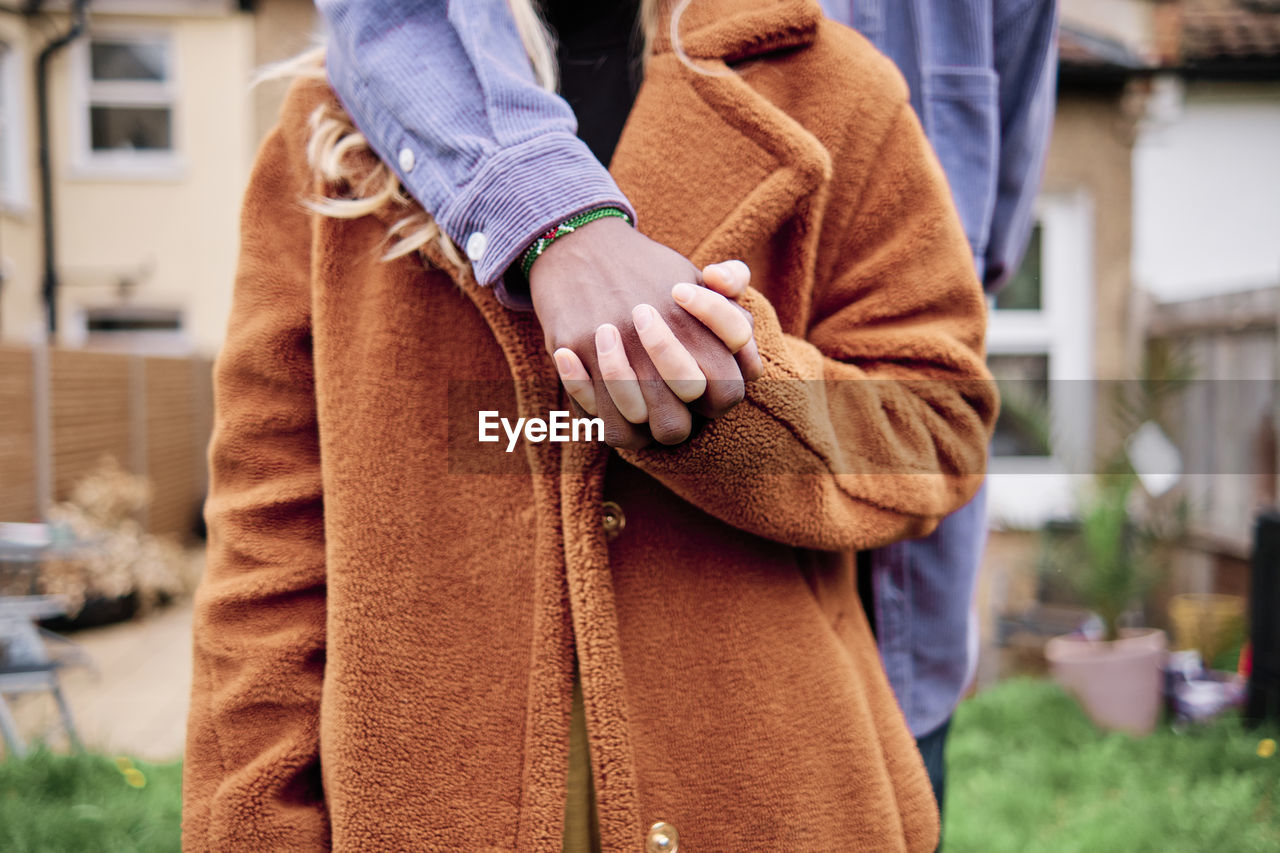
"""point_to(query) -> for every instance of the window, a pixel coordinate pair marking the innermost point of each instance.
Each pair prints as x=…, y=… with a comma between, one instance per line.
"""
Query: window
x=126, y=112
x=155, y=330
x=14, y=171
x=1039, y=345
x=1024, y=425
x=1023, y=292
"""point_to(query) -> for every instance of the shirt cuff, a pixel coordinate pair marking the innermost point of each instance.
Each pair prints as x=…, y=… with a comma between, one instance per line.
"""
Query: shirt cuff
x=520, y=193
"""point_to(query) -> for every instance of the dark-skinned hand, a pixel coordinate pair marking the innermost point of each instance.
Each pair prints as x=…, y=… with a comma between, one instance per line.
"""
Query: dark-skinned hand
x=635, y=338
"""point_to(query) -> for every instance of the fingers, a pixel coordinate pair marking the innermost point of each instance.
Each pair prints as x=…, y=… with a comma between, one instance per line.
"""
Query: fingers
x=669, y=418
x=749, y=361
x=619, y=379
x=731, y=279
x=576, y=379
x=728, y=278
x=727, y=321
x=641, y=390
x=645, y=384
x=618, y=431
x=673, y=362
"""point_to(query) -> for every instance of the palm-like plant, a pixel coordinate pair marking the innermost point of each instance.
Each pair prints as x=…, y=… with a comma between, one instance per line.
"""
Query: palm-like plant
x=1123, y=534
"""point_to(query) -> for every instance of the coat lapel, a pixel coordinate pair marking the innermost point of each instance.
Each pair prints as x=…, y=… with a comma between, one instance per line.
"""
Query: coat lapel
x=713, y=168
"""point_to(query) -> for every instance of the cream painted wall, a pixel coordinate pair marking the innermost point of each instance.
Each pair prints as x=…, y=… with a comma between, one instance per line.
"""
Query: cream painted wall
x=21, y=311
x=284, y=28
x=181, y=229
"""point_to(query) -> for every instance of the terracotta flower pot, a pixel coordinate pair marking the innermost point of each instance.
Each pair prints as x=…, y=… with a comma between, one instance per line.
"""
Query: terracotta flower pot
x=1119, y=683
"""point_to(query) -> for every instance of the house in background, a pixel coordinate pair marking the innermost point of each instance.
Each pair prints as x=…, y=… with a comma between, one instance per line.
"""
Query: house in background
x=1159, y=219
x=1161, y=191
x=152, y=129
x=1162, y=187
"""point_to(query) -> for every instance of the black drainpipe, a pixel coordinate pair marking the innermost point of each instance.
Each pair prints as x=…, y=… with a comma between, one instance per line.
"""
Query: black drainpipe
x=49, y=288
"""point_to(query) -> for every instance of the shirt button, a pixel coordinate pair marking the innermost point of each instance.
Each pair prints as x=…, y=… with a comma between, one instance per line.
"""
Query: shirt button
x=612, y=519
x=662, y=838
x=476, y=244
x=406, y=159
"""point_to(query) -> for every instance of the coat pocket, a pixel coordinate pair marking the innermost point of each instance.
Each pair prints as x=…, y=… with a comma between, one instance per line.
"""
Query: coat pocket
x=962, y=121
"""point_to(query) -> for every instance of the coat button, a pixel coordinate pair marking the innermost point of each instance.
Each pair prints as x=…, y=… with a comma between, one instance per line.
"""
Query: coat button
x=406, y=160
x=662, y=838
x=612, y=519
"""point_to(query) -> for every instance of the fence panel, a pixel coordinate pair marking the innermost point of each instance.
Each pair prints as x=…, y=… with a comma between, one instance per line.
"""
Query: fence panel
x=1227, y=424
x=89, y=401
x=17, y=436
x=175, y=446
x=152, y=413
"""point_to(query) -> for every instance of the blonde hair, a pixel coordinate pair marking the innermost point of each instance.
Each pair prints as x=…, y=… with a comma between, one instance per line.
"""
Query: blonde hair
x=338, y=151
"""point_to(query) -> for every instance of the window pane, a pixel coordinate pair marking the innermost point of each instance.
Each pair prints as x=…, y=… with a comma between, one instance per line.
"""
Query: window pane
x=1022, y=293
x=1023, y=426
x=127, y=60
x=130, y=128
x=133, y=319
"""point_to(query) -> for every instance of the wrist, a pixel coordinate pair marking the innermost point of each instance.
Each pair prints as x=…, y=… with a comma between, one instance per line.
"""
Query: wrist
x=579, y=257
x=552, y=236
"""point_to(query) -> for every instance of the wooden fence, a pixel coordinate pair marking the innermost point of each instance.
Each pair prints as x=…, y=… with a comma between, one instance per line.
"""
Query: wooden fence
x=61, y=410
x=1228, y=419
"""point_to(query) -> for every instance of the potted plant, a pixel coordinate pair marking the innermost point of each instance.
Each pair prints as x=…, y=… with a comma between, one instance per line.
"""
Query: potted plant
x=1126, y=524
x=1115, y=672
x=115, y=569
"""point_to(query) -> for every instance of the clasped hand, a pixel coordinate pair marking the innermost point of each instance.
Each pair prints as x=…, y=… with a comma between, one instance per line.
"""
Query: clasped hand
x=636, y=340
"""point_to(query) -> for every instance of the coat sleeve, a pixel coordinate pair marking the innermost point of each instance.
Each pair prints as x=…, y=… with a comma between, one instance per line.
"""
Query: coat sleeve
x=874, y=425
x=251, y=777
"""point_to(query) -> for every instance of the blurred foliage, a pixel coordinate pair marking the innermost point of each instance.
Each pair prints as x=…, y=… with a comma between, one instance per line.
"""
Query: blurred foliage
x=122, y=558
x=1029, y=772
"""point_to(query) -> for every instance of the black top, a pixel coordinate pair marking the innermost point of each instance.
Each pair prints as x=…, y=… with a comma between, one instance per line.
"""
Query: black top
x=598, y=51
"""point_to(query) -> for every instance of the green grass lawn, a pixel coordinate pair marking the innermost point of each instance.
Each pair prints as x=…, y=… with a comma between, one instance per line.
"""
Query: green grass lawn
x=1028, y=773
x=88, y=804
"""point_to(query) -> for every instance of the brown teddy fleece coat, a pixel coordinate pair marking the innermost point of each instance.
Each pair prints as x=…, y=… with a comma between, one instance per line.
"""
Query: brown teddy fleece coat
x=386, y=635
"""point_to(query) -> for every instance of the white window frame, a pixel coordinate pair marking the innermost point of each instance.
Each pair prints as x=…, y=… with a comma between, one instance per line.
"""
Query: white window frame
x=1026, y=491
x=156, y=165
x=15, y=195
x=149, y=341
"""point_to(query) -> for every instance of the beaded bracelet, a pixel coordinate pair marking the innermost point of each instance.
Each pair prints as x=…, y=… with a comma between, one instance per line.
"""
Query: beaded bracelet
x=570, y=225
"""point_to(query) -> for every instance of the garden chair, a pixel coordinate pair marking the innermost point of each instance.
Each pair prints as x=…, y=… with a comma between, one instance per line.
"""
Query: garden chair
x=30, y=656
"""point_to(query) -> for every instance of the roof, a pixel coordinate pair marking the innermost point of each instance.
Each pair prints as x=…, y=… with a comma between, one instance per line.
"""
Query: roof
x=1211, y=38
x=1221, y=31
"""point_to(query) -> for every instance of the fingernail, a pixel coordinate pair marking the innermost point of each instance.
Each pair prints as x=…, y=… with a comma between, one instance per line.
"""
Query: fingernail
x=564, y=362
x=642, y=316
x=606, y=339
x=682, y=292
x=739, y=272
